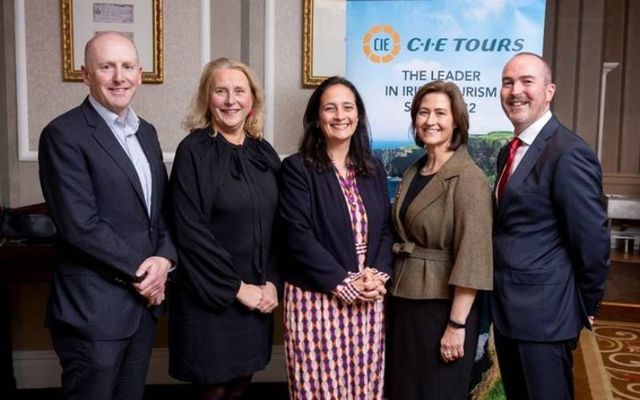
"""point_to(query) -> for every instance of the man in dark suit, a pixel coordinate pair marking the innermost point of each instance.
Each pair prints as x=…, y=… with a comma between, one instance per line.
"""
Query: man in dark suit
x=551, y=242
x=103, y=178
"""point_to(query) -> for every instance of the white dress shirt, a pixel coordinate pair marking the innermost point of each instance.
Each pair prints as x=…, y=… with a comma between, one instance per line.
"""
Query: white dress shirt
x=527, y=137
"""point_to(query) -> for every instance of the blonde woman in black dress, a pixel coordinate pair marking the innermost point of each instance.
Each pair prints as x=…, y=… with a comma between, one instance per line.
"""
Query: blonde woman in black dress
x=224, y=193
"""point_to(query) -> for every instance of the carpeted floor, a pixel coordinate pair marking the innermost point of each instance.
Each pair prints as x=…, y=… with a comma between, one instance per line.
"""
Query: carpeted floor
x=262, y=391
x=607, y=363
x=606, y=366
x=619, y=346
x=590, y=378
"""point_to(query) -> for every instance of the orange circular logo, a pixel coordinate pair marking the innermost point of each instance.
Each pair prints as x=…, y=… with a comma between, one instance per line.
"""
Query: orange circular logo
x=381, y=44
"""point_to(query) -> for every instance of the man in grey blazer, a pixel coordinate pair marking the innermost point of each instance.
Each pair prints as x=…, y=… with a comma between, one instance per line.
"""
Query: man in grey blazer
x=103, y=178
x=551, y=242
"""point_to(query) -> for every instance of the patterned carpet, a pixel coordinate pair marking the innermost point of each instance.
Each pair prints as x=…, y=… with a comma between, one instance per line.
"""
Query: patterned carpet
x=606, y=364
x=619, y=347
x=607, y=367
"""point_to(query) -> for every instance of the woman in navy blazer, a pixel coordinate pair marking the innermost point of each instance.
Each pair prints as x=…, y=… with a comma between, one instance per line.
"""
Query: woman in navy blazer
x=335, y=212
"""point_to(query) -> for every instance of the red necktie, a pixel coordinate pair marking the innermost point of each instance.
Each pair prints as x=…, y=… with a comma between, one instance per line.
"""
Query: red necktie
x=506, y=172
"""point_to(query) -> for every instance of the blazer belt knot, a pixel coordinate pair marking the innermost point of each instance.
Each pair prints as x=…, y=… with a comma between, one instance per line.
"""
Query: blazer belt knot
x=410, y=249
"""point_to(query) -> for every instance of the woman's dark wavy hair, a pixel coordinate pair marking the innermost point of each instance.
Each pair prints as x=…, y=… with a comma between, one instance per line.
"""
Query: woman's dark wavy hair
x=459, y=111
x=313, y=146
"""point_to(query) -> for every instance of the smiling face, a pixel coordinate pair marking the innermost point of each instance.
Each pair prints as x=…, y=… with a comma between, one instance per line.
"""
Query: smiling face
x=526, y=91
x=434, y=121
x=111, y=71
x=230, y=101
x=338, y=115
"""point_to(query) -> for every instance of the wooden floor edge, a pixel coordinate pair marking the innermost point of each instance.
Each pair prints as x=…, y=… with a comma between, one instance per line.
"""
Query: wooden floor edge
x=599, y=384
x=616, y=304
x=623, y=312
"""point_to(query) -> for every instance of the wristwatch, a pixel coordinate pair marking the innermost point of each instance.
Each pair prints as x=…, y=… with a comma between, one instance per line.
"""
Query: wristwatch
x=456, y=325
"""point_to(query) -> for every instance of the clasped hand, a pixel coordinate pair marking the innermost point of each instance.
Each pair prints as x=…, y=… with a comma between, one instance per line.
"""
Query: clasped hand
x=155, y=270
x=263, y=298
x=370, y=286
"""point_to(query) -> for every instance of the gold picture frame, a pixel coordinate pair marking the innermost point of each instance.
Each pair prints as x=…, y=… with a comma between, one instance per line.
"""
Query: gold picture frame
x=142, y=21
x=323, y=50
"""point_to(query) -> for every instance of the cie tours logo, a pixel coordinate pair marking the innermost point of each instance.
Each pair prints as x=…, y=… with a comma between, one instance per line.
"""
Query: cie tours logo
x=381, y=44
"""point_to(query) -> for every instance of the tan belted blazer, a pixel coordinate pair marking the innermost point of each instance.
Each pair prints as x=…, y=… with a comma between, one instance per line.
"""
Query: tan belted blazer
x=446, y=233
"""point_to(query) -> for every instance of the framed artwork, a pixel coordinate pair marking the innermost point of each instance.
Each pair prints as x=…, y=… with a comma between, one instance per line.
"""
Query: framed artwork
x=324, y=33
x=140, y=20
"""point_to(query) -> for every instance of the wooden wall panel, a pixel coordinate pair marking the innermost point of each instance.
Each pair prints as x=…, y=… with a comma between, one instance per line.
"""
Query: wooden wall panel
x=573, y=45
x=566, y=57
x=580, y=35
x=588, y=75
x=613, y=52
x=630, y=150
x=550, y=31
x=575, y=55
x=621, y=147
x=5, y=189
x=624, y=184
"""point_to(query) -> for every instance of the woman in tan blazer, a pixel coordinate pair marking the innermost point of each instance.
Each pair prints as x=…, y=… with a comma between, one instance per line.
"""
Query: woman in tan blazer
x=442, y=216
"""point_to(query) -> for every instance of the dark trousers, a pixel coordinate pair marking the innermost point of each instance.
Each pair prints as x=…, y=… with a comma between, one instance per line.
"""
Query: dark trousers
x=105, y=369
x=536, y=370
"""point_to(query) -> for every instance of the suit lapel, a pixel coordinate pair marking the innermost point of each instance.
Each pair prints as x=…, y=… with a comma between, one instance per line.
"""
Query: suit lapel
x=155, y=165
x=528, y=162
x=436, y=187
x=502, y=159
x=109, y=143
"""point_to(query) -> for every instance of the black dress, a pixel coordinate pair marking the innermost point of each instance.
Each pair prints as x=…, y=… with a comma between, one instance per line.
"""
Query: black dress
x=224, y=199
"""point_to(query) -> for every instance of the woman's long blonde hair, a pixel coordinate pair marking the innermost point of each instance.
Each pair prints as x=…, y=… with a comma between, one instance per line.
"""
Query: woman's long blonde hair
x=199, y=115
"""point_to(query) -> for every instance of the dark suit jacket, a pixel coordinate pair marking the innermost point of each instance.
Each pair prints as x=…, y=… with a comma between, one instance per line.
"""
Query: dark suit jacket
x=551, y=242
x=317, y=229
x=96, y=201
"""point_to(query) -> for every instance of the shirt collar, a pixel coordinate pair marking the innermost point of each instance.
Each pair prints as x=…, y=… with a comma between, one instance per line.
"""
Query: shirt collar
x=529, y=135
x=111, y=118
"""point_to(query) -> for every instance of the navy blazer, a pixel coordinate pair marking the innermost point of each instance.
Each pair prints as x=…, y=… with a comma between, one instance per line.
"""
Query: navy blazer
x=317, y=229
x=96, y=202
x=551, y=241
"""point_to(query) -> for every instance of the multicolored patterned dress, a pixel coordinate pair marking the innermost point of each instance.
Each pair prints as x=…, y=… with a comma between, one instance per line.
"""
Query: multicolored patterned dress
x=334, y=343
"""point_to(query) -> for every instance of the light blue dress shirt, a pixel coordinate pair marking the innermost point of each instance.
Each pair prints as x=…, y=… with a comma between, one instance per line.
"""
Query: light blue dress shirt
x=124, y=130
